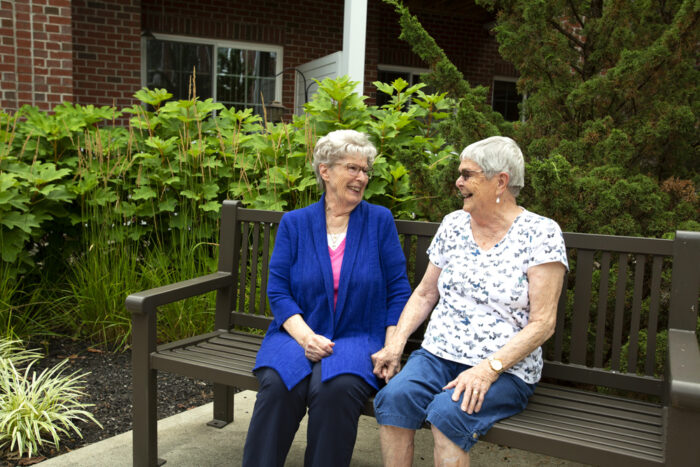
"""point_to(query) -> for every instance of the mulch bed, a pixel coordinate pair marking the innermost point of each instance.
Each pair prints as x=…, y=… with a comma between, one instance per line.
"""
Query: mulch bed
x=108, y=387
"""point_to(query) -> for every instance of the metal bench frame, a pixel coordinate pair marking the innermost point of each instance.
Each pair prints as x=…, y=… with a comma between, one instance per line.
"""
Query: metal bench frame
x=563, y=418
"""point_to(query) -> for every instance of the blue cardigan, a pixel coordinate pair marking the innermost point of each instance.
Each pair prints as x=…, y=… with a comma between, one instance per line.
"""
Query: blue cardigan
x=372, y=292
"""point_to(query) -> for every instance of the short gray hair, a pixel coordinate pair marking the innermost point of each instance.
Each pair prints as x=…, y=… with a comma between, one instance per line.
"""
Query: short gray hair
x=338, y=144
x=498, y=154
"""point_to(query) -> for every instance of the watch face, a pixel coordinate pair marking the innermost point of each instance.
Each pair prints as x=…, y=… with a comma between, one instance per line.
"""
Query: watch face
x=496, y=364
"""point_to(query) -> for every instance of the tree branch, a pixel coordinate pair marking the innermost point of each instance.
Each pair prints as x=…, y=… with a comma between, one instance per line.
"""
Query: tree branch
x=579, y=20
x=566, y=33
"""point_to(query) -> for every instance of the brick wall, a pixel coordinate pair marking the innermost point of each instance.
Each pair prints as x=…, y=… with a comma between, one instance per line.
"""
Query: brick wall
x=35, y=53
x=310, y=29
x=89, y=51
x=307, y=29
x=106, y=51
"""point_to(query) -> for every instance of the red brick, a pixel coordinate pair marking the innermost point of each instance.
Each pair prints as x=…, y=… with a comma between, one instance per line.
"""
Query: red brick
x=22, y=7
x=63, y=89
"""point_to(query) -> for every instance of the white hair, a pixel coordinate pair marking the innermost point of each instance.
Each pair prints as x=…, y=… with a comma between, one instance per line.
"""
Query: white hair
x=338, y=144
x=498, y=154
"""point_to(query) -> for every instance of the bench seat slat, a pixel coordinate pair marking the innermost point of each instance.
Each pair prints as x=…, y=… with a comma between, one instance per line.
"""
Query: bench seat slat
x=206, y=371
x=228, y=364
x=584, y=407
x=228, y=347
x=553, y=444
x=602, y=400
x=587, y=430
x=647, y=428
x=234, y=363
x=555, y=427
x=203, y=354
x=239, y=336
x=653, y=451
x=217, y=350
x=242, y=343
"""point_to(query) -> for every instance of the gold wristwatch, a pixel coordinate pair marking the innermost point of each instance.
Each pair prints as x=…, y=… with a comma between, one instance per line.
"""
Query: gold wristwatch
x=496, y=365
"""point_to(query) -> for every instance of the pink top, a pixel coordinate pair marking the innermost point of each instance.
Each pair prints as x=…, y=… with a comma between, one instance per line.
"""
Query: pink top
x=336, y=262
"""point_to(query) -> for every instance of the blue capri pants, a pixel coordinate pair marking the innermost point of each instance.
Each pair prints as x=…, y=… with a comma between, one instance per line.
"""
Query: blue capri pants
x=415, y=395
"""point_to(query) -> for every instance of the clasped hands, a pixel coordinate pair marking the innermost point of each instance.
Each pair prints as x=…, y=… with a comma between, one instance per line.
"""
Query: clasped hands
x=472, y=384
x=387, y=362
x=317, y=347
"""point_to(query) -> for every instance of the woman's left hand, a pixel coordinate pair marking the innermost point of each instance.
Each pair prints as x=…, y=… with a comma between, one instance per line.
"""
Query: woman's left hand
x=474, y=383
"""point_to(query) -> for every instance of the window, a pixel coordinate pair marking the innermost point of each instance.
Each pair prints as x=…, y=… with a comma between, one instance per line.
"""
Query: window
x=505, y=98
x=387, y=74
x=235, y=74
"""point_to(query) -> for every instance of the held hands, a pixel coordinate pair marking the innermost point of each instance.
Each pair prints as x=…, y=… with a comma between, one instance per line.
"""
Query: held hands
x=387, y=362
x=474, y=383
x=317, y=347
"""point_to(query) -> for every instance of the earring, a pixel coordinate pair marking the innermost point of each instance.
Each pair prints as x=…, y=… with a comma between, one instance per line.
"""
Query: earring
x=498, y=200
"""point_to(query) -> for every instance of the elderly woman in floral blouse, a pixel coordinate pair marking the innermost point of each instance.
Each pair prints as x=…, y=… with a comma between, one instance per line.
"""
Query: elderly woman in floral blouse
x=492, y=284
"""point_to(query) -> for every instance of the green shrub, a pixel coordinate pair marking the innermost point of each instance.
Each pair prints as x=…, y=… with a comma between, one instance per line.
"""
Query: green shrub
x=105, y=211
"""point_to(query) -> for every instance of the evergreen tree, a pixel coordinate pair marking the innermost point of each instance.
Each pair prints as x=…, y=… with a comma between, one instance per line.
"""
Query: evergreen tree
x=611, y=115
x=607, y=81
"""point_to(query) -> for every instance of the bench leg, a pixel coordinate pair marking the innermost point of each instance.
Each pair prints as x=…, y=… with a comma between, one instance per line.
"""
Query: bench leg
x=223, y=406
x=682, y=447
x=144, y=417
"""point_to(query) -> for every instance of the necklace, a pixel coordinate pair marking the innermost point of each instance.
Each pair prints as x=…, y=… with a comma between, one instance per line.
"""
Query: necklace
x=335, y=239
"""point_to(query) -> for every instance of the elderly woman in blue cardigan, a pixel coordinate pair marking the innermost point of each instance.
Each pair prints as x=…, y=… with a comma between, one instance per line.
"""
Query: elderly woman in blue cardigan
x=337, y=286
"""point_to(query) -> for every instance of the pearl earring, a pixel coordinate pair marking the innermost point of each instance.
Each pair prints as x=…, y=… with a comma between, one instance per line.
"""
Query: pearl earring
x=498, y=200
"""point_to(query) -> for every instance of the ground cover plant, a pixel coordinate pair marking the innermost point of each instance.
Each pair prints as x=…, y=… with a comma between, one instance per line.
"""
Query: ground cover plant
x=37, y=409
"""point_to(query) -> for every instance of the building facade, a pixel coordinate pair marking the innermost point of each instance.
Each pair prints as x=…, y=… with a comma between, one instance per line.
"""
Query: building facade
x=242, y=51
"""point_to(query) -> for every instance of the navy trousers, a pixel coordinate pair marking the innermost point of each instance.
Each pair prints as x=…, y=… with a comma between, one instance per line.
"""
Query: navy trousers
x=334, y=411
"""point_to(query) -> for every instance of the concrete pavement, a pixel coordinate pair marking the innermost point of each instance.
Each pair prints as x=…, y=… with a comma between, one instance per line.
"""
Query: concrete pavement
x=185, y=440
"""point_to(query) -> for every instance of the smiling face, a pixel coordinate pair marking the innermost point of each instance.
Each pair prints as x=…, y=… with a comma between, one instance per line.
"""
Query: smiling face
x=342, y=186
x=478, y=192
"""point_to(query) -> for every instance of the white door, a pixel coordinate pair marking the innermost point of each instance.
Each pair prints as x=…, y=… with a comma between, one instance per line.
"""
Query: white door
x=321, y=68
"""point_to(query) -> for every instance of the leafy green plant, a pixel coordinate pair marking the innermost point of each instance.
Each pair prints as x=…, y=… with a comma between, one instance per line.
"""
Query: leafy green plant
x=411, y=151
x=36, y=409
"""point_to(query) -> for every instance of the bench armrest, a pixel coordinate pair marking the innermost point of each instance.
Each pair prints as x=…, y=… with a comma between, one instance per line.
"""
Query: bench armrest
x=683, y=369
x=147, y=300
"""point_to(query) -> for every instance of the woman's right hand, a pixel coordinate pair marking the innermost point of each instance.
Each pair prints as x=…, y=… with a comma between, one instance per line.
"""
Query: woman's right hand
x=317, y=347
x=387, y=362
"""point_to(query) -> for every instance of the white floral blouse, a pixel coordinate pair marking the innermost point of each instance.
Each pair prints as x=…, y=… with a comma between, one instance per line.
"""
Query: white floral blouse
x=484, y=297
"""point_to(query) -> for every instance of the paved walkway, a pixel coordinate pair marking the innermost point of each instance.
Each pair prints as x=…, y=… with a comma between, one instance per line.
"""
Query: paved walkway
x=186, y=440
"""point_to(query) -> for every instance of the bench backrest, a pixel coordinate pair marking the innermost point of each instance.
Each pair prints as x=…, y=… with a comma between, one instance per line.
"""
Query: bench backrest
x=611, y=322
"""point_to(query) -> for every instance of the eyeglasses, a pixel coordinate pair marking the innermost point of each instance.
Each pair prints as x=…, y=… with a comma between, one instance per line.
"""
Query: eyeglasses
x=466, y=174
x=354, y=169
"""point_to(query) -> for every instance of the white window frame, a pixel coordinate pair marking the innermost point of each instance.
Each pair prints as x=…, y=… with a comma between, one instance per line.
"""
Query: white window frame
x=508, y=79
x=278, y=49
x=403, y=69
x=413, y=71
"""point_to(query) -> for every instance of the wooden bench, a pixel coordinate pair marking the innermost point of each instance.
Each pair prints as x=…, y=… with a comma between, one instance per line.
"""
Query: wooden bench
x=602, y=400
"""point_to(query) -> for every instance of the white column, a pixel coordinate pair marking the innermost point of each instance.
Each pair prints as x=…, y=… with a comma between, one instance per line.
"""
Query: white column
x=354, y=34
